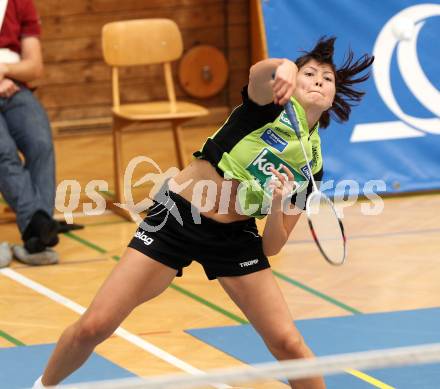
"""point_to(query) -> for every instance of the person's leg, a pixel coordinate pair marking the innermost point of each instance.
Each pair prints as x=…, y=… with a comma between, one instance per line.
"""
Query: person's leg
x=15, y=181
x=260, y=299
x=29, y=126
x=135, y=279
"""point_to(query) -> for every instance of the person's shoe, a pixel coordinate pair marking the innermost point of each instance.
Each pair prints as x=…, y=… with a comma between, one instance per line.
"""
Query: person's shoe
x=33, y=245
x=41, y=232
x=46, y=257
x=5, y=254
x=38, y=384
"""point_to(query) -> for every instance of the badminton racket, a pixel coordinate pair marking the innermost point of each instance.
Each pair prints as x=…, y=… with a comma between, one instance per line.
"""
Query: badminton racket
x=325, y=225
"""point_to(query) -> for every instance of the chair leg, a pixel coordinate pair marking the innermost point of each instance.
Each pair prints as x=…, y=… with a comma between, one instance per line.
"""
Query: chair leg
x=118, y=159
x=178, y=144
x=118, y=125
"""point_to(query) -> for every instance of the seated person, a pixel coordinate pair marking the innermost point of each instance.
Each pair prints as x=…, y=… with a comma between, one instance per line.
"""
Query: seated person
x=28, y=187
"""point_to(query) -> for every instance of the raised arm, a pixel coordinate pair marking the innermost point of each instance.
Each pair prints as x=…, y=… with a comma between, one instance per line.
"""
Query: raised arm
x=272, y=79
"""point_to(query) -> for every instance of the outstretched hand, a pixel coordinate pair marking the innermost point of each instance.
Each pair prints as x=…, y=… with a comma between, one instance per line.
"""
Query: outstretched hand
x=284, y=82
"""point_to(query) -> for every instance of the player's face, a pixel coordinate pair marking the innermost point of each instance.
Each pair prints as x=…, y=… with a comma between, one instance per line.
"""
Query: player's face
x=315, y=86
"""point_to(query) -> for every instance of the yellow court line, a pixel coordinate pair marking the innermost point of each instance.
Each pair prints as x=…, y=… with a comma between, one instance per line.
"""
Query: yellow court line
x=371, y=380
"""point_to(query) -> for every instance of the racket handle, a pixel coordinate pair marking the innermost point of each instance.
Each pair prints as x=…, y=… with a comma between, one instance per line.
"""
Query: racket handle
x=292, y=118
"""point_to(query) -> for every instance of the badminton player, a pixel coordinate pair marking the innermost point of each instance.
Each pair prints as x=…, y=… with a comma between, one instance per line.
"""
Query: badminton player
x=207, y=212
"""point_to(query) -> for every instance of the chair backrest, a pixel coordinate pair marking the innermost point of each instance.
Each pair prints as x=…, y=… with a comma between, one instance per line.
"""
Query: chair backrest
x=142, y=42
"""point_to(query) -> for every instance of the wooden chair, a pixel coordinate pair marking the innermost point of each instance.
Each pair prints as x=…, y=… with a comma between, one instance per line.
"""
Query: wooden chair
x=145, y=42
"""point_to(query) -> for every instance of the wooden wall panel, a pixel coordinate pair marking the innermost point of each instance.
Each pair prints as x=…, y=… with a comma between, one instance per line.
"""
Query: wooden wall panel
x=77, y=83
x=63, y=7
x=89, y=48
x=237, y=32
x=64, y=96
x=90, y=25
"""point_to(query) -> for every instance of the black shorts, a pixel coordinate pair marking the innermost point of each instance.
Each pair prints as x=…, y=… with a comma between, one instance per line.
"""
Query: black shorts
x=174, y=233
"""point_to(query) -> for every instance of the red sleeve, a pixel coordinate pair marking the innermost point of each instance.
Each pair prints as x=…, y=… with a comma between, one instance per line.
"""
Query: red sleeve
x=30, y=22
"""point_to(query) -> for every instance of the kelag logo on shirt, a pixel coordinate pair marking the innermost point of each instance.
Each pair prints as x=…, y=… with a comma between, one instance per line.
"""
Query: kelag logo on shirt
x=274, y=140
x=260, y=168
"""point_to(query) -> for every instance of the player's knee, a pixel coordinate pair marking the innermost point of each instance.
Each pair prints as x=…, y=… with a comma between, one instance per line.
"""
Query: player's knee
x=92, y=329
x=40, y=147
x=294, y=346
x=289, y=345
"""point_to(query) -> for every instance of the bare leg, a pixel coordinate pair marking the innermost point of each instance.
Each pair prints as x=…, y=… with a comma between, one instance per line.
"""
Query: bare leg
x=135, y=279
x=259, y=297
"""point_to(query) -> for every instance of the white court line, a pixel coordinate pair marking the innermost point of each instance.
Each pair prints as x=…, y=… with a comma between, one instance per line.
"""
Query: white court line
x=60, y=216
x=122, y=333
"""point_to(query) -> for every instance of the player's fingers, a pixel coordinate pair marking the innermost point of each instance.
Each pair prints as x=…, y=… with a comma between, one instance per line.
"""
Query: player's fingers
x=282, y=84
x=275, y=190
x=290, y=176
x=287, y=95
x=281, y=92
x=285, y=99
x=278, y=176
x=278, y=82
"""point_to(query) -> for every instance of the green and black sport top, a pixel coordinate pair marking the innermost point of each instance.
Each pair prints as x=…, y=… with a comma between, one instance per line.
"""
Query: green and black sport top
x=255, y=138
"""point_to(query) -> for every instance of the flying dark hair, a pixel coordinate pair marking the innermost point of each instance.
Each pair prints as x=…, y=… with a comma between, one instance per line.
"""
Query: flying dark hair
x=346, y=96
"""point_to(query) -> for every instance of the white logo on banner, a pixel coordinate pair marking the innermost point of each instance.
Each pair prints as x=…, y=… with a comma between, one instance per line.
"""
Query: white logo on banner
x=402, y=30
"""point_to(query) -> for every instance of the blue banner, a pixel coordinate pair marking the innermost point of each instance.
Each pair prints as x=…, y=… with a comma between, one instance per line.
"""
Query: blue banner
x=394, y=134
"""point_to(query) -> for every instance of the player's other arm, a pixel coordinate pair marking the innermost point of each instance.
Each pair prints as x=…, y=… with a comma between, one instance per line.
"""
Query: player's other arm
x=283, y=215
x=277, y=231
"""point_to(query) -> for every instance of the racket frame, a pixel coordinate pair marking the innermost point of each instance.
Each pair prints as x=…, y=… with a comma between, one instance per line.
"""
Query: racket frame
x=312, y=229
x=292, y=117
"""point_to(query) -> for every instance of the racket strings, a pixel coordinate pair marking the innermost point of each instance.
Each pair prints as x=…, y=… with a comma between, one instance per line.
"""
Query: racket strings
x=327, y=228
